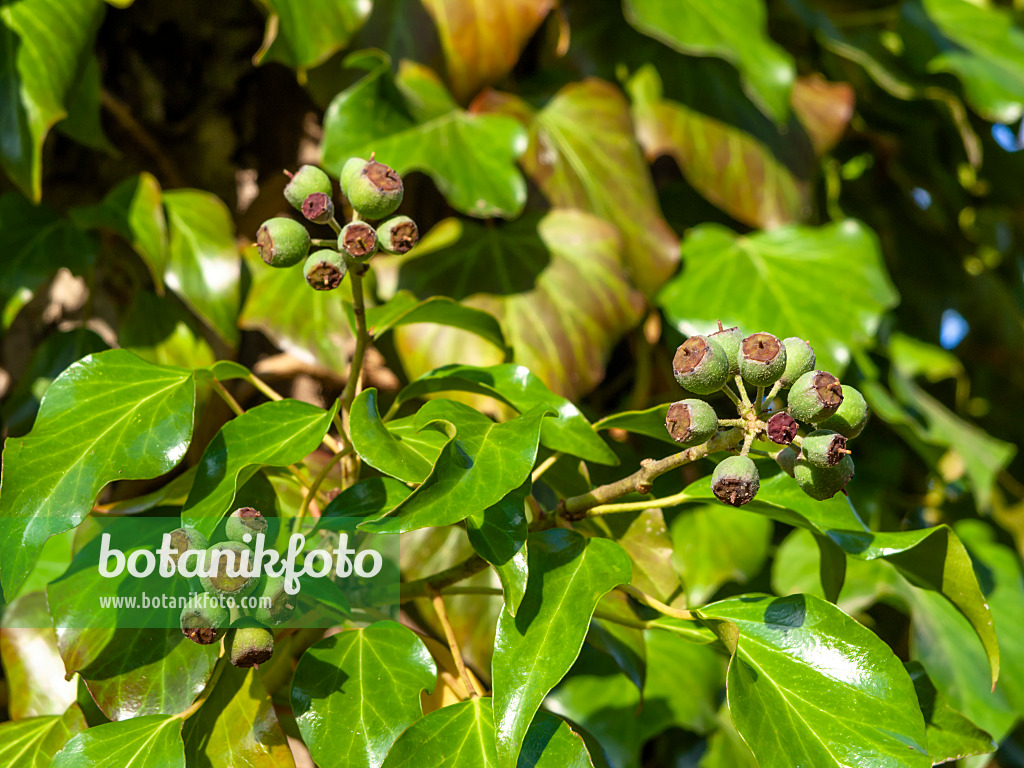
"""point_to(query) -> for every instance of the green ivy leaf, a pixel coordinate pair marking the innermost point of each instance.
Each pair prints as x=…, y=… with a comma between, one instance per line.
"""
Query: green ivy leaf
x=462, y=736
x=498, y=534
x=795, y=276
x=649, y=422
x=110, y=416
x=44, y=43
x=159, y=329
x=514, y=385
x=481, y=462
x=368, y=679
x=809, y=685
x=951, y=736
x=367, y=498
x=153, y=741
x=404, y=309
x=471, y=158
x=273, y=434
x=380, y=447
x=534, y=649
x=34, y=742
x=305, y=33
x=734, y=30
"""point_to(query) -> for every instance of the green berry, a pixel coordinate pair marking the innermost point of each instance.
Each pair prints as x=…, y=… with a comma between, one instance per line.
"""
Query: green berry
x=282, y=242
x=358, y=239
x=814, y=397
x=318, y=208
x=249, y=646
x=762, y=359
x=691, y=422
x=823, y=482
x=730, y=340
x=308, y=180
x=786, y=459
x=735, y=480
x=242, y=521
x=324, y=269
x=373, y=189
x=799, y=360
x=398, y=235
x=349, y=171
x=281, y=604
x=186, y=540
x=852, y=415
x=204, y=619
x=700, y=365
x=219, y=582
x=823, y=448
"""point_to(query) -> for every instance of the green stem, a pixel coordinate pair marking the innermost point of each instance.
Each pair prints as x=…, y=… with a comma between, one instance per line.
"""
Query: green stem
x=760, y=401
x=638, y=506
x=324, y=243
x=362, y=342
x=744, y=399
x=319, y=480
x=642, y=597
x=544, y=466
x=421, y=587
x=731, y=395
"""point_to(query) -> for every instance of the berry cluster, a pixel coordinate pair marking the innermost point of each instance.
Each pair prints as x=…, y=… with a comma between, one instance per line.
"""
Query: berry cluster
x=819, y=417
x=249, y=641
x=374, y=191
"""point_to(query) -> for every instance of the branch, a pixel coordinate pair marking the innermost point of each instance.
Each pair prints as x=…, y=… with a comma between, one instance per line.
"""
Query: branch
x=453, y=645
x=422, y=587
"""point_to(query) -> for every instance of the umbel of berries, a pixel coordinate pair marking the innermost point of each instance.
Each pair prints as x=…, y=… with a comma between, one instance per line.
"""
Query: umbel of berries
x=372, y=188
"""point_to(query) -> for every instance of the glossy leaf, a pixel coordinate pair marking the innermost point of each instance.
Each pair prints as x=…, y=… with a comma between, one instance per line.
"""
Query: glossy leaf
x=380, y=447
x=305, y=33
x=110, y=416
x=482, y=41
x=471, y=158
x=514, y=385
x=842, y=261
x=44, y=42
x=366, y=498
x=734, y=30
x=951, y=736
x=649, y=422
x=143, y=742
x=367, y=679
x=237, y=725
x=728, y=166
x=498, y=534
x=556, y=286
x=481, y=463
x=404, y=309
x=34, y=742
x=273, y=434
x=583, y=155
x=645, y=537
x=534, y=649
x=160, y=330
x=809, y=685
x=203, y=265
x=462, y=736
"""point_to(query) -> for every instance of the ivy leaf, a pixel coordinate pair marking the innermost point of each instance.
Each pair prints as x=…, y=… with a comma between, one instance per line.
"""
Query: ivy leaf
x=34, y=742
x=203, y=265
x=514, y=385
x=649, y=422
x=481, y=462
x=728, y=166
x=951, y=736
x=369, y=679
x=734, y=30
x=404, y=308
x=303, y=34
x=471, y=158
x=534, y=649
x=43, y=43
x=824, y=110
x=379, y=445
x=809, y=685
x=159, y=329
x=555, y=284
x=273, y=434
x=237, y=725
x=143, y=742
x=498, y=534
x=366, y=498
x=110, y=416
x=841, y=260
x=462, y=736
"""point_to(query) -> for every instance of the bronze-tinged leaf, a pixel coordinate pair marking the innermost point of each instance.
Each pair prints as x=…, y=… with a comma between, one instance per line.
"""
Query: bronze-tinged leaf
x=824, y=110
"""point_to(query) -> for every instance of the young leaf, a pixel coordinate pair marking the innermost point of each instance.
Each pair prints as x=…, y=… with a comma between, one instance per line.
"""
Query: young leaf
x=142, y=742
x=378, y=445
x=498, y=534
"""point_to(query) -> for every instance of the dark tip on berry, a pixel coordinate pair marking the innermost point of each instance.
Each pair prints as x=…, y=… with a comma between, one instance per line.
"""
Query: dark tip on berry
x=201, y=635
x=830, y=391
x=318, y=208
x=382, y=177
x=782, y=428
x=690, y=354
x=762, y=347
x=359, y=239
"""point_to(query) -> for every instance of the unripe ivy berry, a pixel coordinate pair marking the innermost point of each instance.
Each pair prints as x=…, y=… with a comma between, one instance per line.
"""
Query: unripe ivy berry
x=398, y=235
x=799, y=360
x=203, y=619
x=781, y=428
x=282, y=605
x=219, y=582
x=735, y=480
x=308, y=180
x=762, y=359
x=823, y=448
x=786, y=459
x=318, y=208
x=691, y=422
x=852, y=415
x=186, y=540
x=814, y=397
x=349, y=171
x=242, y=521
x=700, y=365
x=358, y=239
x=282, y=242
x=249, y=646
x=730, y=340
x=374, y=189
x=324, y=270
x=823, y=482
